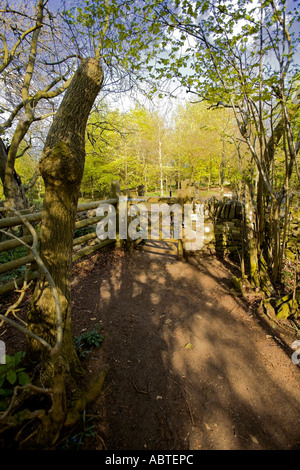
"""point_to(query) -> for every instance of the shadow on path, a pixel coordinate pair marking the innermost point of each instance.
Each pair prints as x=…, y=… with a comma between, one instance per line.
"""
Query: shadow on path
x=191, y=367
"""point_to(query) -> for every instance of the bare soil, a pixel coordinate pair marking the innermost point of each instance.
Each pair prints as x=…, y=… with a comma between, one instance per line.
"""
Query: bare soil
x=193, y=366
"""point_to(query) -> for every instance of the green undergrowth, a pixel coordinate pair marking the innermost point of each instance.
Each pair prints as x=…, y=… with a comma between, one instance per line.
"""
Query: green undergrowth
x=84, y=431
x=12, y=255
x=12, y=374
x=88, y=341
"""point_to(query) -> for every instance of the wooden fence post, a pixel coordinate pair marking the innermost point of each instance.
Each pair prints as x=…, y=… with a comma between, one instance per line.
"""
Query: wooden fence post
x=115, y=192
x=180, y=249
x=130, y=244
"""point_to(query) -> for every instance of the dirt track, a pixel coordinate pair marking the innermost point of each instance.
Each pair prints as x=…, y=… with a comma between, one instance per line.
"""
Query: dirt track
x=192, y=365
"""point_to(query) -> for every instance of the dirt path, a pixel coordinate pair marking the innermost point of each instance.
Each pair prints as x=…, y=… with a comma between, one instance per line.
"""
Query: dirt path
x=192, y=366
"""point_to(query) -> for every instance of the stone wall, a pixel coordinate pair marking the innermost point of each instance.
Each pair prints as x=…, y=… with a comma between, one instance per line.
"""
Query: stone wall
x=293, y=239
x=224, y=234
x=223, y=231
x=224, y=227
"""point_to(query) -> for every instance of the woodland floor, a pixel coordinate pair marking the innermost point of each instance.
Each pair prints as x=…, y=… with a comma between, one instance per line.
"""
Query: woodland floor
x=192, y=365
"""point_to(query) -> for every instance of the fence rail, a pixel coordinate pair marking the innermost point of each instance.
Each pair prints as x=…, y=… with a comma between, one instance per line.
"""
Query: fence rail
x=8, y=245
x=35, y=218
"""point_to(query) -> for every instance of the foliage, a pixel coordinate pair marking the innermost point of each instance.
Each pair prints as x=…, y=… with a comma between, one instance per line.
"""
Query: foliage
x=79, y=232
x=11, y=374
x=76, y=441
x=143, y=147
x=123, y=34
x=10, y=255
x=203, y=143
x=241, y=56
x=88, y=341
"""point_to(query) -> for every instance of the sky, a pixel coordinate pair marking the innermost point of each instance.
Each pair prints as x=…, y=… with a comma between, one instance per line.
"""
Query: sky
x=125, y=101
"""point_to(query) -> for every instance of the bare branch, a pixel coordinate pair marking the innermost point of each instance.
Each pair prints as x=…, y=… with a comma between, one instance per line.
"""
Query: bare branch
x=12, y=116
x=61, y=61
x=44, y=270
x=44, y=116
x=44, y=94
x=9, y=55
x=26, y=331
x=33, y=52
x=12, y=309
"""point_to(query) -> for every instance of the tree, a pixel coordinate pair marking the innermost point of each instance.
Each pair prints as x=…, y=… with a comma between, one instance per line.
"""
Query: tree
x=148, y=143
x=25, y=36
x=240, y=55
x=202, y=142
x=129, y=146
x=105, y=27
x=61, y=167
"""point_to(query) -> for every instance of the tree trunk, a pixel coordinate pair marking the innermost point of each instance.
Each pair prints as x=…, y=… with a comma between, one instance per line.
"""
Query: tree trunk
x=209, y=179
x=276, y=237
x=251, y=239
x=61, y=166
x=12, y=186
x=161, y=169
x=260, y=213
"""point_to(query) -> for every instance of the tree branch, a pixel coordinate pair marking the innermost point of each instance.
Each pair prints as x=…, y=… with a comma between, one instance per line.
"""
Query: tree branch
x=33, y=52
x=44, y=270
x=9, y=55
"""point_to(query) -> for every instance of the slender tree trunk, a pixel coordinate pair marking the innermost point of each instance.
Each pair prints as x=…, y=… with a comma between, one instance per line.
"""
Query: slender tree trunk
x=125, y=166
x=260, y=212
x=285, y=231
x=161, y=169
x=61, y=167
x=92, y=186
x=252, y=242
x=277, y=242
x=209, y=179
x=12, y=186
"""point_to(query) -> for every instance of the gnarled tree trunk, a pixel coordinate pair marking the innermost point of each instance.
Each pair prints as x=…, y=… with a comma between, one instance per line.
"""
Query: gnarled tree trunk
x=61, y=166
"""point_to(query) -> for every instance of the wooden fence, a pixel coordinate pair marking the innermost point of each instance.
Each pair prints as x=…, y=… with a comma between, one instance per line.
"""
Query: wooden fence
x=35, y=219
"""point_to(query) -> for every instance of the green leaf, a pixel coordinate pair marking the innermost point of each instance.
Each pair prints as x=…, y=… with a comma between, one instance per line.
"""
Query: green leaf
x=18, y=356
x=23, y=378
x=11, y=377
x=9, y=361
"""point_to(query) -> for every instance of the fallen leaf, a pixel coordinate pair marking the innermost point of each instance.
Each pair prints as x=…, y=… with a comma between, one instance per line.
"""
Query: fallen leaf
x=188, y=346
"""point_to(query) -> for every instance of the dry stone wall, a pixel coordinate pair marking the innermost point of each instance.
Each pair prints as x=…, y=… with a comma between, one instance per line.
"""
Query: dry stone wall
x=293, y=241
x=223, y=231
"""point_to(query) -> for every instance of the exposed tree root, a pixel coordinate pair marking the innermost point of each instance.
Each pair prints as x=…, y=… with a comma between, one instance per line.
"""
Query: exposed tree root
x=29, y=426
x=87, y=397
